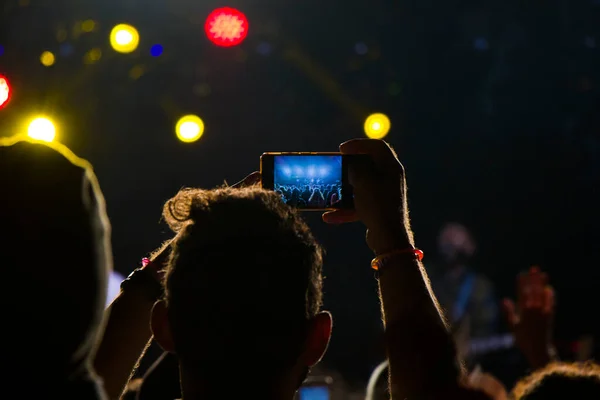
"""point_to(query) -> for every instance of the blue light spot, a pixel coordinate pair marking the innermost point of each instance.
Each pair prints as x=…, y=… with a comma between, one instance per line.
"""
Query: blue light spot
x=156, y=50
x=66, y=49
x=264, y=48
x=1, y=50
x=361, y=48
x=481, y=44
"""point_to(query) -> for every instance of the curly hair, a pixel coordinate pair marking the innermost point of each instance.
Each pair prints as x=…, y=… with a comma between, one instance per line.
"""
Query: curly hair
x=243, y=278
x=561, y=381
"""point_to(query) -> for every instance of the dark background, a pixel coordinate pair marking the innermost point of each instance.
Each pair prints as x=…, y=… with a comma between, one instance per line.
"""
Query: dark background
x=494, y=104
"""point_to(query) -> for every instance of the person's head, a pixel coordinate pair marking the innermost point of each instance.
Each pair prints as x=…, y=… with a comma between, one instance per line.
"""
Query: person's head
x=455, y=244
x=561, y=381
x=243, y=292
x=55, y=259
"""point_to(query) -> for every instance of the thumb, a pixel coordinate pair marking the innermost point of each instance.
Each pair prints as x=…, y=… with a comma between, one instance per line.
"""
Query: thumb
x=509, y=311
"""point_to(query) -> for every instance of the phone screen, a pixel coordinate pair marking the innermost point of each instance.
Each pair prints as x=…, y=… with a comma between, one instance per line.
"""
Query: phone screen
x=309, y=181
x=314, y=393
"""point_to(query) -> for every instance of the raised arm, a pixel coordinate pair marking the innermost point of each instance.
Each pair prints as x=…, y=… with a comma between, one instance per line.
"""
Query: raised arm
x=128, y=327
x=420, y=349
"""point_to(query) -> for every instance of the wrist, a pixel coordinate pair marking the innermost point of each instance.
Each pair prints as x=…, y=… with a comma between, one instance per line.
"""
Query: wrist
x=386, y=238
x=143, y=282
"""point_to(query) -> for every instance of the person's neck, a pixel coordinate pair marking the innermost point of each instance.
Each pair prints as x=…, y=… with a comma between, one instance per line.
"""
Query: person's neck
x=194, y=388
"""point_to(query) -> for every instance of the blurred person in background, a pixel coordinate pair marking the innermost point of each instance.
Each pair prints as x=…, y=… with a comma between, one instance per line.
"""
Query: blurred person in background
x=465, y=295
x=531, y=317
x=56, y=255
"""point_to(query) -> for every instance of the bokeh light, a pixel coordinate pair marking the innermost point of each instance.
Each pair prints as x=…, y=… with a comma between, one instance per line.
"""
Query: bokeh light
x=5, y=91
x=47, y=59
x=226, y=27
x=377, y=126
x=189, y=128
x=88, y=25
x=156, y=50
x=124, y=38
x=41, y=128
x=92, y=56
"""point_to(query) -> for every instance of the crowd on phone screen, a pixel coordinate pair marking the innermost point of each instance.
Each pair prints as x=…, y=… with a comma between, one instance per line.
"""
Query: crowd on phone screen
x=234, y=299
x=310, y=195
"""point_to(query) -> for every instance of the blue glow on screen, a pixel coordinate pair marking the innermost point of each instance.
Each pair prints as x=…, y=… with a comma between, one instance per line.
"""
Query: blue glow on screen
x=308, y=181
x=314, y=393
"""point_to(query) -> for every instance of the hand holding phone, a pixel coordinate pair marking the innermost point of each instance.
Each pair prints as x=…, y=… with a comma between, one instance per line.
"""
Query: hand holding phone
x=309, y=181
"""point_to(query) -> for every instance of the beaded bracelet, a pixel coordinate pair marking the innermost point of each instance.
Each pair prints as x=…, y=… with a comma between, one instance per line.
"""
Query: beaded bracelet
x=379, y=263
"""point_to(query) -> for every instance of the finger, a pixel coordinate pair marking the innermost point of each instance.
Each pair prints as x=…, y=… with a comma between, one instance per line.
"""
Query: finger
x=380, y=151
x=536, y=284
x=340, y=216
x=540, y=289
x=522, y=290
x=250, y=180
x=510, y=314
x=549, y=300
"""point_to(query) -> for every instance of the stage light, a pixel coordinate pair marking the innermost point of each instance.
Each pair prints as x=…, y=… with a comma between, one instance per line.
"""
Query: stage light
x=124, y=38
x=189, y=128
x=5, y=91
x=41, y=128
x=156, y=50
x=377, y=126
x=47, y=58
x=226, y=27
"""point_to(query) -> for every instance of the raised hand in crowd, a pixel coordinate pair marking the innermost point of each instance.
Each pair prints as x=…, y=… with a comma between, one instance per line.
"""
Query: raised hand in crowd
x=531, y=318
x=420, y=349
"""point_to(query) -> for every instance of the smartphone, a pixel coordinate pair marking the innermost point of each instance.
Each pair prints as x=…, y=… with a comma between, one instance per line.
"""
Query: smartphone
x=309, y=181
x=315, y=388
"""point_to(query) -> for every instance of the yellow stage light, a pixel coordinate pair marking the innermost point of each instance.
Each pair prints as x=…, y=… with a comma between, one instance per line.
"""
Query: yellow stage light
x=47, y=58
x=41, y=128
x=189, y=128
x=124, y=38
x=377, y=126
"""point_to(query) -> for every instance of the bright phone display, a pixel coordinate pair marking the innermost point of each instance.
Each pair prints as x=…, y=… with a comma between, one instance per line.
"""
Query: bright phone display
x=308, y=181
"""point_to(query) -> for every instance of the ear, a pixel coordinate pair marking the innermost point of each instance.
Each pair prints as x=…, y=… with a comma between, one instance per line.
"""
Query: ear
x=319, y=333
x=159, y=323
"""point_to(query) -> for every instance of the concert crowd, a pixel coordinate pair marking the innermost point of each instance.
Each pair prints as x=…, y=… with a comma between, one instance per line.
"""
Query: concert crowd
x=234, y=299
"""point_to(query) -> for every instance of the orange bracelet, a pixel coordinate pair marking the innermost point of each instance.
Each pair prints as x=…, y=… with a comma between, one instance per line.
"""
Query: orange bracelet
x=379, y=262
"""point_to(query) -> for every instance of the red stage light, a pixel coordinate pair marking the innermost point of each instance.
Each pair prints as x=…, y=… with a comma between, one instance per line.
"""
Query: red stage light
x=5, y=91
x=226, y=27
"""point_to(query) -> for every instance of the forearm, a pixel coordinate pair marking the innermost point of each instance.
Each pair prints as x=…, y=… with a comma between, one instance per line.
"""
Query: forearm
x=421, y=351
x=125, y=338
